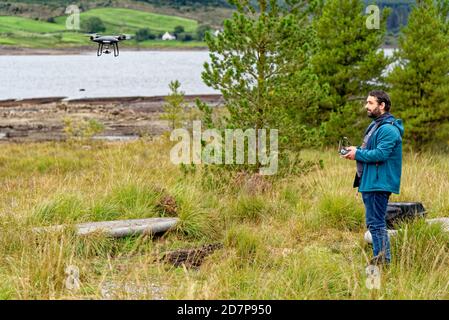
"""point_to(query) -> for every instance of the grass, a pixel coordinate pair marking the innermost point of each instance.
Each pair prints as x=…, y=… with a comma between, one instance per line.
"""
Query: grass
x=76, y=40
x=118, y=20
x=14, y=24
x=29, y=33
x=299, y=238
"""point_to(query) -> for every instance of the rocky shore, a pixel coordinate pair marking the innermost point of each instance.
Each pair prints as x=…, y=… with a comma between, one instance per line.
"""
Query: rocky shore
x=42, y=119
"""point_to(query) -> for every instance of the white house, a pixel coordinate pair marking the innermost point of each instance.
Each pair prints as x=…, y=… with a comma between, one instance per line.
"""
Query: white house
x=168, y=36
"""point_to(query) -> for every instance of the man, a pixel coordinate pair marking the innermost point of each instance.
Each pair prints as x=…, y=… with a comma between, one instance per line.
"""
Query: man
x=379, y=166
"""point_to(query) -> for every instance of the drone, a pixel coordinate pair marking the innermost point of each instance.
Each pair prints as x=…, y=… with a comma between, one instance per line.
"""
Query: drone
x=106, y=42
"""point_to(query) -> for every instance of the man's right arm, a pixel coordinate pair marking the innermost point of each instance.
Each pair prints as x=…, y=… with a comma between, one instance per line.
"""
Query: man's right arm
x=386, y=137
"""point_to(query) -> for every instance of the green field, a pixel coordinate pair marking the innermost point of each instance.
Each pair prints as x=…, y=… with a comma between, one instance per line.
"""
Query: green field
x=119, y=20
x=28, y=33
x=17, y=24
x=75, y=40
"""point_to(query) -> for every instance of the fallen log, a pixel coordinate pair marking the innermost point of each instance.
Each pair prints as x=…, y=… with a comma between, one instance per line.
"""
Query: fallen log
x=118, y=228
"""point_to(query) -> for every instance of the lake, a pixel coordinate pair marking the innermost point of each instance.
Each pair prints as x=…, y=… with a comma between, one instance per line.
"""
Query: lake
x=133, y=73
x=138, y=73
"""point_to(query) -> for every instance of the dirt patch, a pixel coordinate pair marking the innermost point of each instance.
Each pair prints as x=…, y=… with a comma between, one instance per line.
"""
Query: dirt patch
x=252, y=183
x=190, y=258
x=168, y=206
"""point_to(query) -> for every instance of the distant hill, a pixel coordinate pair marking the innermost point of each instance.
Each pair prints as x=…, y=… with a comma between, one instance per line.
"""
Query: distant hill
x=28, y=21
x=26, y=32
x=119, y=20
x=180, y=3
x=205, y=11
x=174, y=3
x=41, y=24
x=211, y=12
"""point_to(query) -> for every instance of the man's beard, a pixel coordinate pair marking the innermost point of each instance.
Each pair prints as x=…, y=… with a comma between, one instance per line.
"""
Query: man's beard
x=375, y=113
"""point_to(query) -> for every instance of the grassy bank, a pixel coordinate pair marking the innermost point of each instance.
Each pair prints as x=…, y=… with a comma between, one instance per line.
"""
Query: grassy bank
x=29, y=33
x=118, y=20
x=292, y=238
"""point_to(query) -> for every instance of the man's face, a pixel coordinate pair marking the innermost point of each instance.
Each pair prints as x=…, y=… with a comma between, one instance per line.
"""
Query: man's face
x=373, y=108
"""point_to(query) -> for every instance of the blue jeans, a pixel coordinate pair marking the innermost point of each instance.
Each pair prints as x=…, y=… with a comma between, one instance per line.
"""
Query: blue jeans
x=376, y=208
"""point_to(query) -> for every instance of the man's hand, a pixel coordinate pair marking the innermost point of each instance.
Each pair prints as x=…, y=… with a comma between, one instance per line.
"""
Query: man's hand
x=351, y=154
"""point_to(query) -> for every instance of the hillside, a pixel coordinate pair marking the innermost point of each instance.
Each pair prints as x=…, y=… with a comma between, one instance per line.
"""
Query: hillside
x=19, y=24
x=24, y=23
x=211, y=12
x=119, y=20
x=29, y=33
x=205, y=11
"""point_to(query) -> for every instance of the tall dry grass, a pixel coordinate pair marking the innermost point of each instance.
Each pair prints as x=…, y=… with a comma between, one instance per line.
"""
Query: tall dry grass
x=298, y=237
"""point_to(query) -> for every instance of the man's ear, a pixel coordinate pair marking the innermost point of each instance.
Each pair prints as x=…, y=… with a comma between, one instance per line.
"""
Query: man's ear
x=382, y=106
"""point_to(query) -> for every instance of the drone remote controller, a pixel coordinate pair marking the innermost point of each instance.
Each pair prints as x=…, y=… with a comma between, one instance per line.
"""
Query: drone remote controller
x=343, y=145
x=344, y=151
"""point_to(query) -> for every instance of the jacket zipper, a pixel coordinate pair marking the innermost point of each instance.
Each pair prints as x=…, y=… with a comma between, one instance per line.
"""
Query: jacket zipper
x=377, y=170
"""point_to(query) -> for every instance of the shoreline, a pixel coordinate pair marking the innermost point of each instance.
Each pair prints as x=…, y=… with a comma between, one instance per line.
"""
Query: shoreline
x=103, y=100
x=43, y=119
x=22, y=51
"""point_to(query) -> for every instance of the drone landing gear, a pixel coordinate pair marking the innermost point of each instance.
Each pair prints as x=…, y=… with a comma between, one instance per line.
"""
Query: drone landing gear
x=102, y=46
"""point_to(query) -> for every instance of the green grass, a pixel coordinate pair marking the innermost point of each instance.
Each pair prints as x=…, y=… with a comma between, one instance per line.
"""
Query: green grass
x=15, y=24
x=340, y=211
x=28, y=33
x=299, y=238
x=7, y=41
x=74, y=40
x=118, y=20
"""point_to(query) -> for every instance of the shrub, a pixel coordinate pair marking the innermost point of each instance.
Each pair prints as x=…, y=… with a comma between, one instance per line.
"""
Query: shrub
x=341, y=212
x=93, y=25
x=245, y=242
x=84, y=129
x=144, y=34
x=62, y=209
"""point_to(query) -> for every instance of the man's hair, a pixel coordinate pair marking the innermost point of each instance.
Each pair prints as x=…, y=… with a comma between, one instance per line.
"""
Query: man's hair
x=381, y=96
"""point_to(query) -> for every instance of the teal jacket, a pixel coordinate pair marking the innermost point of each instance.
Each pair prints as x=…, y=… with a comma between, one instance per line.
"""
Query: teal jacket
x=382, y=158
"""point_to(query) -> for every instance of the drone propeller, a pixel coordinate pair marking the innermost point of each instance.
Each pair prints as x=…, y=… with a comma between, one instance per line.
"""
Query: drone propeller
x=124, y=37
x=92, y=35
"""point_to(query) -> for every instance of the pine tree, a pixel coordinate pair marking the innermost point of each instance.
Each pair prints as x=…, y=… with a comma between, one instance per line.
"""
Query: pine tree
x=174, y=106
x=349, y=60
x=261, y=65
x=420, y=81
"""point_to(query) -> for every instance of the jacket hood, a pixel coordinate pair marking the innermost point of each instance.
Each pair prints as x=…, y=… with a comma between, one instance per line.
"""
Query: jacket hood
x=396, y=122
